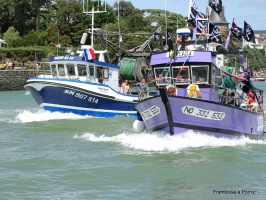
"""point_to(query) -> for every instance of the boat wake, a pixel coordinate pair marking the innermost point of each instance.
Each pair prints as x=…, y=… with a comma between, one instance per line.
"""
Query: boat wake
x=160, y=142
x=27, y=116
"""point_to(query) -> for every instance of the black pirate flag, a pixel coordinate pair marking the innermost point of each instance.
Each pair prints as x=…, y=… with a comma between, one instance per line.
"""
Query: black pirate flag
x=236, y=31
x=214, y=32
x=216, y=5
x=248, y=33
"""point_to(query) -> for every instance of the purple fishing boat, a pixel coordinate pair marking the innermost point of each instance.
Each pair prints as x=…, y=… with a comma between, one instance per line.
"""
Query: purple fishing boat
x=192, y=94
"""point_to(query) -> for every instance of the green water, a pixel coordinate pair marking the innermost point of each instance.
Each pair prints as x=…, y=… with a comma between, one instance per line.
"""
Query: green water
x=63, y=156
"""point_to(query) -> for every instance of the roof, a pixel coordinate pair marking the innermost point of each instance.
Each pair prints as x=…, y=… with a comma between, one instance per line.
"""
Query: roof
x=260, y=31
x=216, y=19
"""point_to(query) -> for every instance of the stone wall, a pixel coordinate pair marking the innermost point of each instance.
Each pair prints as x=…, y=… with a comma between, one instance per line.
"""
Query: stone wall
x=15, y=79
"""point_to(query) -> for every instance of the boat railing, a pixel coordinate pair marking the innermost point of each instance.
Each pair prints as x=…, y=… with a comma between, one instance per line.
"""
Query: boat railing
x=144, y=95
x=178, y=81
x=173, y=90
x=227, y=100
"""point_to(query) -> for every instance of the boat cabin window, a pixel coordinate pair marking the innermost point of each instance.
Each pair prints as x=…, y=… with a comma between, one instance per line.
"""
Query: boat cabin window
x=70, y=69
x=53, y=69
x=181, y=75
x=106, y=73
x=99, y=72
x=162, y=75
x=200, y=74
x=215, y=76
x=82, y=70
x=91, y=71
x=61, y=70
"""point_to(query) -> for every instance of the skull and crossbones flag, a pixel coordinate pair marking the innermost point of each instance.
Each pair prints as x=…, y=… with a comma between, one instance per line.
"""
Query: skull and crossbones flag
x=214, y=32
x=248, y=33
x=236, y=31
x=216, y=5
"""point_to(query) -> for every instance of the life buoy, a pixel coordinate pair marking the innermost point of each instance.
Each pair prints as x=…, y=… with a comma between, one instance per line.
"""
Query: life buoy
x=193, y=91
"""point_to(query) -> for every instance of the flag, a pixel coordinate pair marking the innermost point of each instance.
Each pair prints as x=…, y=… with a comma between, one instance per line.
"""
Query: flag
x=248, y=33
x=195, y=29
x=120, y=39
x=192, y=15
x=183, y=68
x=236, y=31
x=228, y=40
x=195, y=19
x=244, y=62
x=169, y=38
x=215, y=34
x=156, y=36
x=57, y=45
x=216, y=6
x=89, y=54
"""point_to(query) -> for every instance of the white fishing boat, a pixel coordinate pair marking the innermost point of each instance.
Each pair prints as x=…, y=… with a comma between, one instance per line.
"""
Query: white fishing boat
x=84, y=84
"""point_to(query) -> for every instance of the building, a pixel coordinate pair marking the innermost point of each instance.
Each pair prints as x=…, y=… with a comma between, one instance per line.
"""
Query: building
x=221, y=22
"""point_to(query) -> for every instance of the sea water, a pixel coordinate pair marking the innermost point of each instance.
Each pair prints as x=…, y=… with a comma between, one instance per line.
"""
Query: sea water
x=47, y=155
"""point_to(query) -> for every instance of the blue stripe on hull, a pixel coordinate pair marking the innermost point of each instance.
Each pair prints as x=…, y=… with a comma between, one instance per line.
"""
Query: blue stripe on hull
x=88, y=112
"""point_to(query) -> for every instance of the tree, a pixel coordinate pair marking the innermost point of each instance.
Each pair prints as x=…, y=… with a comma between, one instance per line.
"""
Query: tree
x=5, y=17
x=11, y=35
x=37, y=6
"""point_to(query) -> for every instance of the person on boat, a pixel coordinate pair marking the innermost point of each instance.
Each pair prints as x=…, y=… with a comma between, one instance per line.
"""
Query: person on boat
x=160, y=79
x=250, y=98
x=261, y=98
x=251, y=102
x=225, y=97
x=120, y=85
x=182, y=76
x=126, y=87
x=143, y=89
x=233, y=100
x=242, y=93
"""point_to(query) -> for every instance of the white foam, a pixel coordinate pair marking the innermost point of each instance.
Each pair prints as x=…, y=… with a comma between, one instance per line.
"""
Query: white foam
x=160, y=142
x=27, y=92
x=42, y=115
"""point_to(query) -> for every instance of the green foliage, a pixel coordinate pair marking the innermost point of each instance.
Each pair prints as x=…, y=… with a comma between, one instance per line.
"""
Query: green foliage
x=256, y=59
x=22, y=53
x=47, y=22
x=32, y=39
x=10, y=36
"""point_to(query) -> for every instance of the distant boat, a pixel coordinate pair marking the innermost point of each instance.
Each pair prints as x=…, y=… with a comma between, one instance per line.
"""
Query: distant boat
x=258, y=79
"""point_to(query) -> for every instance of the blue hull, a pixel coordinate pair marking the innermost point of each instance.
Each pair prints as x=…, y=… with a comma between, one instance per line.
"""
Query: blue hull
x=67, y=98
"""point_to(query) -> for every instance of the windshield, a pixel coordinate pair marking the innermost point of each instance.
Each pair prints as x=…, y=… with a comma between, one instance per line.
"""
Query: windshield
x=162, y=75
x=181, y=74
x=199, y=74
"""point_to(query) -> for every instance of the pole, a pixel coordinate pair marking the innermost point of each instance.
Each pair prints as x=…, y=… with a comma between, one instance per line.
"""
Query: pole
x=57, y=46
x=118, y=19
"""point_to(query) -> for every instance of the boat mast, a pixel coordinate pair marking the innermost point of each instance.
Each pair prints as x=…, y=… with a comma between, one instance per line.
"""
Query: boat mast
x=91, y=13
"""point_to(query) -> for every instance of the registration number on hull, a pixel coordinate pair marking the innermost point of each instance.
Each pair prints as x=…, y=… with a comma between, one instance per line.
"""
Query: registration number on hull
x=150, y=113
x=202, y=113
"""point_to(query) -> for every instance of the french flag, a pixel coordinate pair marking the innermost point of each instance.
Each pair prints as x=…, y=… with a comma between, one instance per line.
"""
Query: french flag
x=89, y=54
